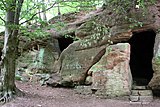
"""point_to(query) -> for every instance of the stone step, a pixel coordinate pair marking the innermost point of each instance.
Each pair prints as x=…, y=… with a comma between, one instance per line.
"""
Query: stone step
x=146, y=98
x=141, y=98
x=141, y=95
x=141, y=92
x=134, y=98
x=139, y=103
x=139, y=87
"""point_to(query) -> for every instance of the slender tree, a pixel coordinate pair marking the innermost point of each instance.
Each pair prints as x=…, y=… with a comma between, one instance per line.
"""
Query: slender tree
x=9, y=52
x=10, y=49
x=44, y=17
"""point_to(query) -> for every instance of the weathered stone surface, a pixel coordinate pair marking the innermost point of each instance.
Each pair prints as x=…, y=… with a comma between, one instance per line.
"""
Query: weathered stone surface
x=39, y=60
x=142, y=92
x=51, y=54
x=54, y=80
x=119, y=23
x=141, y=99
x=74, y=64
x=97, y=34
x=134, y=92
x=146, y=98
x=85, y=90
x=145, y=93
x=139, y=87
x=155, y=81
x=111, y=75
x=134, y=98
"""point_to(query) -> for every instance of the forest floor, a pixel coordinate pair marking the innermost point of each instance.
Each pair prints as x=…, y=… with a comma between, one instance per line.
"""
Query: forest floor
x=42, y=96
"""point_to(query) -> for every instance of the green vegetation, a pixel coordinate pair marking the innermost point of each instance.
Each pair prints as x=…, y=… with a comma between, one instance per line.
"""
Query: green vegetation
x=51, y=9
x=96, y=32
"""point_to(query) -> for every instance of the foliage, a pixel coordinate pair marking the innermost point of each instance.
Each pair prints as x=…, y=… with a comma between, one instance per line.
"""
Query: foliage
x=143, y=3
x=100, y=31
x=57, y=26
x=31, y=7
x=34, y=28
x=70, y=36
x=33, y=34
x=81, y=4
x=135, y=23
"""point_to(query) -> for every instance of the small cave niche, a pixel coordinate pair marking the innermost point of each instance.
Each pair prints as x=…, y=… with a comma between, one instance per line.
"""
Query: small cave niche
x=64, y=42
x=142, y=44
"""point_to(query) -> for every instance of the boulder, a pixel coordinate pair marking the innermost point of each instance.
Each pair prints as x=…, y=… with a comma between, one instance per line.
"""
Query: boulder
x=74, y=64
x=155, y=81
x=111, y=75
x=51, y=54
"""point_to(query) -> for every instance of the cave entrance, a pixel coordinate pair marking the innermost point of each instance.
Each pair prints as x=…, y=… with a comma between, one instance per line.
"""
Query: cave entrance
x=142, y=44
x=64, y=42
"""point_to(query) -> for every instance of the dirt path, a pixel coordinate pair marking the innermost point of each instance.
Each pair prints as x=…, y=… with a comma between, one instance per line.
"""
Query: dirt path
x=37, y=96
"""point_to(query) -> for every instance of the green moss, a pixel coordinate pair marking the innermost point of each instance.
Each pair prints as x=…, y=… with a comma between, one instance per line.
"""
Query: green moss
x=157, y=60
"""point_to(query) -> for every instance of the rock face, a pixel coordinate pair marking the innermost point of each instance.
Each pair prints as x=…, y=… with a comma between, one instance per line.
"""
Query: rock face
x=33, y=61
x=75, y=64
x=155, y=81
x=105, y=68
x=111, y=75
x=42, y=59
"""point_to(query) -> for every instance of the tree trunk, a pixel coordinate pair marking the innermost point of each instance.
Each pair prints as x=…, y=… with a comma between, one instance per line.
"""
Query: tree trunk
x=39, y=14
x=44, y=6
x=59, y=11
x=8, y=67
x=9, y=52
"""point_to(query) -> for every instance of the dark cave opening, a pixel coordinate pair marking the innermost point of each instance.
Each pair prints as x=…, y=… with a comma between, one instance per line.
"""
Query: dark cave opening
x=142, y=44
x=64, y=42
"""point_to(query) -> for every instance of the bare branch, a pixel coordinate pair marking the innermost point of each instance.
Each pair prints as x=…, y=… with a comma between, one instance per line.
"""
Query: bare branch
x=79, y=6
x=33, y=7
x=41, y=12
x=5, y=7
x=2, y=19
